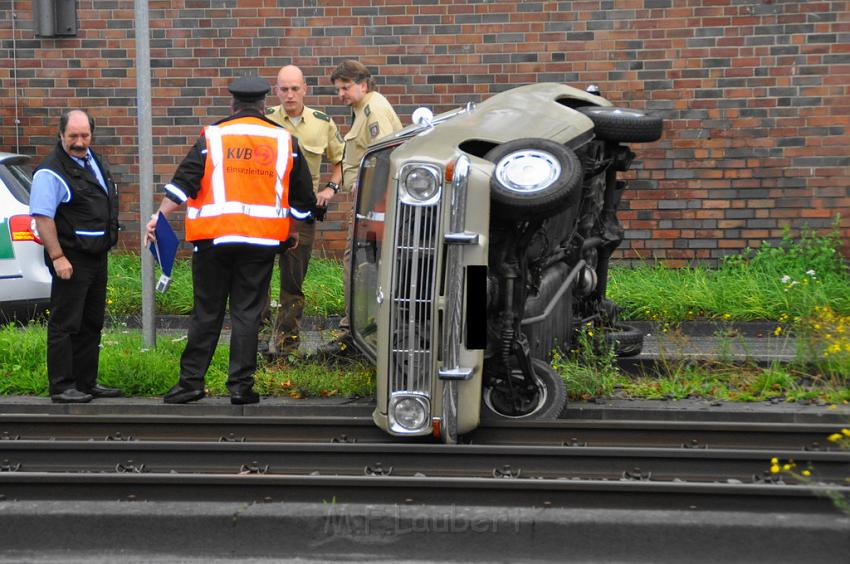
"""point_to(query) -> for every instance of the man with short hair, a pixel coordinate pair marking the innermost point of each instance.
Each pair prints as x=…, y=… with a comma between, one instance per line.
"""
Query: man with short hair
x=242, y=181
x=74, y=201
x=317, y=135
x=373, y=118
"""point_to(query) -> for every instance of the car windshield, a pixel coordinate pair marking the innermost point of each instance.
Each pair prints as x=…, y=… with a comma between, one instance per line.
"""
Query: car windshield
x=17, y=176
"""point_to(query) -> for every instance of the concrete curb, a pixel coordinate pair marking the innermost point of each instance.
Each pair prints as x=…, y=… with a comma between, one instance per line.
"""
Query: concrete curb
x=333, y=532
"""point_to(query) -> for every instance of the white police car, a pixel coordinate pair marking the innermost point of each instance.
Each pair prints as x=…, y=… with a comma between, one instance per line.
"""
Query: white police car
x=24, y=278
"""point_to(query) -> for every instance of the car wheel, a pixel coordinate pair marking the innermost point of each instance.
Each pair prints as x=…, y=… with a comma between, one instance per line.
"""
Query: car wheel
x=626, y=340
x=542, y=399
x=625, y=125
x=533, y=178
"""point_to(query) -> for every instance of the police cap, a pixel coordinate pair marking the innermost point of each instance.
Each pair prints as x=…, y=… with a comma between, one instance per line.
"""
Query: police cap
x=249, y=88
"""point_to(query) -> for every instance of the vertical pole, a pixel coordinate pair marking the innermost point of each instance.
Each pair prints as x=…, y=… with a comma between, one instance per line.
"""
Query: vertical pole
x=145, y=134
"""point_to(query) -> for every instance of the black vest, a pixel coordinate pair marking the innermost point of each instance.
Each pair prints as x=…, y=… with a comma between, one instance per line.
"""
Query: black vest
x=88, y=222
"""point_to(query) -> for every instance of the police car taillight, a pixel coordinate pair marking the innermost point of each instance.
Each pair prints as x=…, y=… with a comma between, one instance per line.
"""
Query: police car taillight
x=22, y=228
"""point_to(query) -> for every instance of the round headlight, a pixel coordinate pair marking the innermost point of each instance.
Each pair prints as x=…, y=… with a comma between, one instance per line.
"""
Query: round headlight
x=528, y=171
x=421, y=183
x=410, y=413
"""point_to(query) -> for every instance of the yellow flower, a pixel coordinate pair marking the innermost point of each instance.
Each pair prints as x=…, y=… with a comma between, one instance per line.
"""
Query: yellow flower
x=806, y=473
x=835, y=437
x=774, y=469
x=778, y=330
x=774, y=460
x=845, y=432
x=787, y=467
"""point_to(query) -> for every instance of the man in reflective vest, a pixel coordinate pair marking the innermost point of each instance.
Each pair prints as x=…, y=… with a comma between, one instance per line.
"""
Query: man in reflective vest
x=243, y=181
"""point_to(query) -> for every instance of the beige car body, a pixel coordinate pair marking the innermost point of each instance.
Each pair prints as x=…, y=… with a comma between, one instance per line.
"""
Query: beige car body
x=451, y=146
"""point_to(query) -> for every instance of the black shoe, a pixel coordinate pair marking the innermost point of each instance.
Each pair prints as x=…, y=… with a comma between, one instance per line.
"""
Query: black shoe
x=179, y=394
x=244, y=397
x=341, y=347
x=99, y=391
x=71, y=395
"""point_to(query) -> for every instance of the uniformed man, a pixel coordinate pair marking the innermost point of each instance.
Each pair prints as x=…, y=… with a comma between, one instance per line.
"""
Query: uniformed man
x=242, y=181
x=373, y=118
x=317, y=135
x=74, y=201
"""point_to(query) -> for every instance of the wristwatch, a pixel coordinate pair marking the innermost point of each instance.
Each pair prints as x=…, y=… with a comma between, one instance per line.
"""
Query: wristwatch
x=333, y=186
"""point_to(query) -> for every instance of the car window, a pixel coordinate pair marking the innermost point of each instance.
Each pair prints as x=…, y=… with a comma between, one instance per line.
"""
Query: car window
x=18, y=179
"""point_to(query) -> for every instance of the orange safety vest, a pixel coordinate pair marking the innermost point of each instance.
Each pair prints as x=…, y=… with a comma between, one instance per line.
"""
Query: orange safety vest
x=244, y=195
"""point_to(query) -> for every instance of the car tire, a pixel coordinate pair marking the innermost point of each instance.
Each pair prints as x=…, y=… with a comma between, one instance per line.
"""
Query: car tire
x=551, y=394
x=624, y=125
x=626, y=340
x=554, y=184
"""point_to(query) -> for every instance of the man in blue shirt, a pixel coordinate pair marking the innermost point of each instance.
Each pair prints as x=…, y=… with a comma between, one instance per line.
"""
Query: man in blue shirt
x=74, y=201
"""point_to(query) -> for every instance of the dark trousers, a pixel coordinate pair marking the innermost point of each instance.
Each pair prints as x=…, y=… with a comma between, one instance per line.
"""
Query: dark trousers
x=293, y=270
x=77, y=307
x=242, y=274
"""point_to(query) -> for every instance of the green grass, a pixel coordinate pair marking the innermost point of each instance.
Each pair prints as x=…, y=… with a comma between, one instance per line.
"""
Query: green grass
x=803, y=283
x=125, y=363
x=322, y=288
x=787, y=280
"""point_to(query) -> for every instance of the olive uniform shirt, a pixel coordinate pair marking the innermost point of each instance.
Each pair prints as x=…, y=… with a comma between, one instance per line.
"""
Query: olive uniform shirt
x=374, y=118
x=317, y=135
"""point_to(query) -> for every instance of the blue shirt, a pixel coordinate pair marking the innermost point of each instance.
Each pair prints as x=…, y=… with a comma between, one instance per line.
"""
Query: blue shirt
x=49, y=189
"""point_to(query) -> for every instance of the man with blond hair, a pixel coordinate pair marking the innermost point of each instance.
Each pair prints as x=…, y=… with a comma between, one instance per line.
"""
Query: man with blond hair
x=374, y=117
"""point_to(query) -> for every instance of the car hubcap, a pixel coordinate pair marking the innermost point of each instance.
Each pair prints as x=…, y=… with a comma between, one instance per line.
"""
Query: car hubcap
x=528, y=171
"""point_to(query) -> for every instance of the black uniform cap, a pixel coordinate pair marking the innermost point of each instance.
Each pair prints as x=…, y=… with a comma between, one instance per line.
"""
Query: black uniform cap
x=249, y=88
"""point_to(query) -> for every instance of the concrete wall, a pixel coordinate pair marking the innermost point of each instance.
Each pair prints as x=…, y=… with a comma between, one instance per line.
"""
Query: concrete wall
x=755, y=92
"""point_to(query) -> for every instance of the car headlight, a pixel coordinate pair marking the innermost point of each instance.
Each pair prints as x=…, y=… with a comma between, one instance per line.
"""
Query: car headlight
x=528, y=171
x=409, y=413
x=420, y=184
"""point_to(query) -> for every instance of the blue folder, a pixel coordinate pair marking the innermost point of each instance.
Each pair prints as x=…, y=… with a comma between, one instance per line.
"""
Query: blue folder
x=164, y=251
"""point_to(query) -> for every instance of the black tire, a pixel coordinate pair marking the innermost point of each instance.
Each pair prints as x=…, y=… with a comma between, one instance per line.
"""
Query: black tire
x=623, y=124
x=548, y=396
x=626, y=340
x=544, y=199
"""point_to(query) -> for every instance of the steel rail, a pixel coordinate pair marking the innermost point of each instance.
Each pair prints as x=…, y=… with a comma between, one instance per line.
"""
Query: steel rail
x=592, y=432
x=542, y=493
x=612, y=463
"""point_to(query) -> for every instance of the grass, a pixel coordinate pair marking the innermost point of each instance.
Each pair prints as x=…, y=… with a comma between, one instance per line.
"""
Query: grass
x=784, y=281
x=125, y=363
x=322, y=288
x=802, y=283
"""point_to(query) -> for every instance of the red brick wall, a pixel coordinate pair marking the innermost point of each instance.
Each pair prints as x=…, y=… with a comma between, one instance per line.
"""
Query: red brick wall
x=755, y=93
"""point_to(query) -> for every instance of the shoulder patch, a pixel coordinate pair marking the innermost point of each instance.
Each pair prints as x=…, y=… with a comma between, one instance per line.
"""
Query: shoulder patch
x=374, y=129
x=367, y=111
x=321, y=116
x=270, y=111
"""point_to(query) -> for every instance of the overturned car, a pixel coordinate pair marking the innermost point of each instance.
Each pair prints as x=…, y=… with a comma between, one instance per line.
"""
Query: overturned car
x=482, y=238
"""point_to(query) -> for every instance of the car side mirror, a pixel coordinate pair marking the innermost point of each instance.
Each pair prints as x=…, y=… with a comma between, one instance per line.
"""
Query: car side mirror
x=422, y=116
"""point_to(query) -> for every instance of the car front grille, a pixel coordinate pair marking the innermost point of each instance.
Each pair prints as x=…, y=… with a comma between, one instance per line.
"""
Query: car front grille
x=414, y=282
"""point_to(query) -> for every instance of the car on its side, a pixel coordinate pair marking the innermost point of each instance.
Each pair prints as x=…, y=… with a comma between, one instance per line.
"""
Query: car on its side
x=24, y=278
x=481, y=243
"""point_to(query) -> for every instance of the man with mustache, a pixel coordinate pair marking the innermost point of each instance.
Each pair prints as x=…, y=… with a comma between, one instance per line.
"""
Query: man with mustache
x=74, y=201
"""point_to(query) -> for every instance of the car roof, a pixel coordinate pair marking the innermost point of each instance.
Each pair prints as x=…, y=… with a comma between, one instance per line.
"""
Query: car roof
x=4, y=156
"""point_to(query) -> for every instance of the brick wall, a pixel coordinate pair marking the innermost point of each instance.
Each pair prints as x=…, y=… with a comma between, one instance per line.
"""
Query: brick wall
x=755, y=92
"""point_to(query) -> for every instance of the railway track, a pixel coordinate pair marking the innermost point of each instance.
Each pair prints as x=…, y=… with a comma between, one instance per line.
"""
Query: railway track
x=572, y=432
x=410, y=460
x=567, y=463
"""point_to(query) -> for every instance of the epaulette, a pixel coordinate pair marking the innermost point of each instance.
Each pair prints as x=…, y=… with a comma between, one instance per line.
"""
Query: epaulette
x=367, y=111
x=321, y=116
